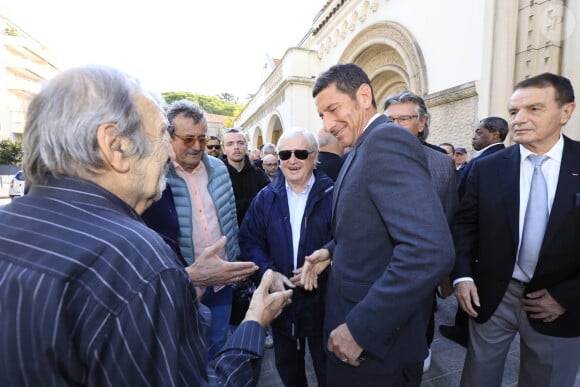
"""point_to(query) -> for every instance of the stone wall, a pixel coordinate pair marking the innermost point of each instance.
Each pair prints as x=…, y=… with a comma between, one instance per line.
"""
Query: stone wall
x=453, y=115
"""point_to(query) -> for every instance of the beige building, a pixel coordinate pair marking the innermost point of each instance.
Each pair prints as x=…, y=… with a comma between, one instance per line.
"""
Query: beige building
x=24, y=65
x=463, y=57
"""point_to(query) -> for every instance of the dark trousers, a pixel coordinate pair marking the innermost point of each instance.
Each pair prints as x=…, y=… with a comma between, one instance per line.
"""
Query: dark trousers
x=431, y=325
x=461, y=321
x=291, y=359
x=343, y=375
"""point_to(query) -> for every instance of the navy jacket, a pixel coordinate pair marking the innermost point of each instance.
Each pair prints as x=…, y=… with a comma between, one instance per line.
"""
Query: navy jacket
x=266, y=239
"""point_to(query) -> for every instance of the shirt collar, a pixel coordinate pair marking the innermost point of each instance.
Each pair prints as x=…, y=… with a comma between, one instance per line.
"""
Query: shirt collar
x=555, y=153
x=199, y=167
x=479, y=152
x=306, y=190
x=377, y=115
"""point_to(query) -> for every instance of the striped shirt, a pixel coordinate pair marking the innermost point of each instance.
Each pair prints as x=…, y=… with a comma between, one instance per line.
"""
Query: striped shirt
x=89, y=295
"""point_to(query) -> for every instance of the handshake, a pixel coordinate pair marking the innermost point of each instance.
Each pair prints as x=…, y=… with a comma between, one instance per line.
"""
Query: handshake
x=210, y=270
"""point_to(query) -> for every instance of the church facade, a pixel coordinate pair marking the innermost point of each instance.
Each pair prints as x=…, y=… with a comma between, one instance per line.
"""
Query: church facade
x=462, y=57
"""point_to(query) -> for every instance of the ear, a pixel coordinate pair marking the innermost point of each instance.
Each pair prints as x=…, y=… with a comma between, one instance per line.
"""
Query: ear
x=567, y=111
x=422, y=124
x=113, y=147
x=364, y=95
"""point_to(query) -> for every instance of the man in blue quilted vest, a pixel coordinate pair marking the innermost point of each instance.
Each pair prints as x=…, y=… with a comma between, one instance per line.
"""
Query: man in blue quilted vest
x=206, y=207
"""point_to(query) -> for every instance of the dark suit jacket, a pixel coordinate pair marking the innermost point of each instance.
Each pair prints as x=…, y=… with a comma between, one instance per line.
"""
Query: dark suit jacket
x=486, y=226
x=442, y=173
x=392, y=245
x=330, y=163
x=464, y=172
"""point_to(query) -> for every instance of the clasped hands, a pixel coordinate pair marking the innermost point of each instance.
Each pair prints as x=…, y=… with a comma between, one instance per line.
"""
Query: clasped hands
x=268, y=299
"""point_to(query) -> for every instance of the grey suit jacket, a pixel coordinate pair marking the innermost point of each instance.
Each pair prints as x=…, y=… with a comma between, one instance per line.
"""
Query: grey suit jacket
x=392, y=245
x=443, y=174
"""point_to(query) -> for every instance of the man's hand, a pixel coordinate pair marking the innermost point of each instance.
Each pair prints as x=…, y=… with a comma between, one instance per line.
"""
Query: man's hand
x=466, y=294
x=314, y=264
x=542, y=306
x=343, y=345
x=266, y=306
x=278, y=282
x=210, y=270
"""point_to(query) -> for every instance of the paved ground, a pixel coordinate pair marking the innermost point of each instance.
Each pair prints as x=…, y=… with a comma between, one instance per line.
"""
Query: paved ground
x=446, y=363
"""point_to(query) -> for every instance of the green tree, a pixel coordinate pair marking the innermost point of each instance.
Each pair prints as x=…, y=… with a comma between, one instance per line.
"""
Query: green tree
x=210, y=104
x=10, y=152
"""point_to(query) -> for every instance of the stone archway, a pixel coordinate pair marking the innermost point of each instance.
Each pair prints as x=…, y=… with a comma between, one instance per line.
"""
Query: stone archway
x=274, y=128
x=391, y=57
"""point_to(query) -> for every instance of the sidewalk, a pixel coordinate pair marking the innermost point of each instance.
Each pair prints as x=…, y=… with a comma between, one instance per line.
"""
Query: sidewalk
x=446, y=359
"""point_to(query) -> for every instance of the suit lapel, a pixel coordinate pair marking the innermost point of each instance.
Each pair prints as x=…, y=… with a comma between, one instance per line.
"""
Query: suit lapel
x=338, y=184
x=568, y=183
x=348, y=162
x=509, y=183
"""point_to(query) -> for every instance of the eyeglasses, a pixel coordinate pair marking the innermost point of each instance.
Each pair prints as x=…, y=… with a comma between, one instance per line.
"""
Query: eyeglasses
x=301, y=154
x=271, y=164
x=214, y=147
x=190, y=140
x=402, y=120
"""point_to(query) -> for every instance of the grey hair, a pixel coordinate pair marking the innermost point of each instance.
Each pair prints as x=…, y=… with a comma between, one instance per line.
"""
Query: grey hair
x=324, y=138
x=300, y=132
x=420, y=109
x=269, y=149
x=60, y=136
x=187, y=108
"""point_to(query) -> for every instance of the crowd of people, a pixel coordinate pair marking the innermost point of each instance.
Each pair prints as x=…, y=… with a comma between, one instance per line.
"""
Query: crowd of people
x=122, y=262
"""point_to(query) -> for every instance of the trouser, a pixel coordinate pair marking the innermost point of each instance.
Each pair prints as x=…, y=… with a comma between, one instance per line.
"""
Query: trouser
x=291, y=359
x=544, y=360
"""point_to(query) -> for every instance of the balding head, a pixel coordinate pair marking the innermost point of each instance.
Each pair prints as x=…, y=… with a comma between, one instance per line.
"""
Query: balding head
x=270, y=165
x=328, y=143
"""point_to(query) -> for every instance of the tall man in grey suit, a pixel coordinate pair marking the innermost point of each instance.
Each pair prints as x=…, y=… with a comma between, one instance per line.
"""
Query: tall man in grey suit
x=410, y=111
x=391, y=241
x=507, y=281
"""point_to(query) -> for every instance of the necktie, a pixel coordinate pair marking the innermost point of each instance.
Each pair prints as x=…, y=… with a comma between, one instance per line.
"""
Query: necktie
x=535, y=220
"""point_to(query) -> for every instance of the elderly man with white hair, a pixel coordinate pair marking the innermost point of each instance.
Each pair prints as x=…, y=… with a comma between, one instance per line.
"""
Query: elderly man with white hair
x=288, y=220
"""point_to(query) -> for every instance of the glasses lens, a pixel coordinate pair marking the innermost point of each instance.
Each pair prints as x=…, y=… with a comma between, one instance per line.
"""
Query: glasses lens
x=285, y=155
x=214, y=147
x=190, y=140
x=301, y=154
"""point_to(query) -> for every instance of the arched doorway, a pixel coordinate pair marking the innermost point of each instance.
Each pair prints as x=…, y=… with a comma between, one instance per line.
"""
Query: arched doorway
x=390, y=56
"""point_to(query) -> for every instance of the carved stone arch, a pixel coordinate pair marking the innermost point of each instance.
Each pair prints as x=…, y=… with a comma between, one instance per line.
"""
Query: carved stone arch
x=273, y=128
x=256, y=139
x=388, y=80
x=387, y=43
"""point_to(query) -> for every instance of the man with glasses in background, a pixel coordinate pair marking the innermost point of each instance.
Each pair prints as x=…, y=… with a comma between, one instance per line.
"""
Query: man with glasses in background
x=271, y=166
x=205, y=205
x=213, y=147
x=410, y=111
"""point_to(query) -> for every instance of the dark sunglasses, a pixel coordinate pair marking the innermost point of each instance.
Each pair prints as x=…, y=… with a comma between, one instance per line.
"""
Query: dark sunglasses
x=214, y=147
x=301, y=154
x=190, y=140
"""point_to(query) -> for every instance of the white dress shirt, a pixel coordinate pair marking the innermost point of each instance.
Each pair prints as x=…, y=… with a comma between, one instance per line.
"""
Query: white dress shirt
x=296, y=206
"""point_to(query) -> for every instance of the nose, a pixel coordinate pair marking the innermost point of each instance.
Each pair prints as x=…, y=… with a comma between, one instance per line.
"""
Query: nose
x=518, y=118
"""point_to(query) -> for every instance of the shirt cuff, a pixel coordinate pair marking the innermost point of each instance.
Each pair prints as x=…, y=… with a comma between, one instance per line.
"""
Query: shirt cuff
x=462, y=279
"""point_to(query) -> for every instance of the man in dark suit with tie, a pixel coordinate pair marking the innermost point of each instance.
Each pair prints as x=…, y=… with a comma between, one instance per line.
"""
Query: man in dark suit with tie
x=391, y=241
x=517, y=238
x=488, y=138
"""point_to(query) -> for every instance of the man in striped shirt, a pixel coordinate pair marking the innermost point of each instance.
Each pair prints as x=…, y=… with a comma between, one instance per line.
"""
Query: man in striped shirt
x=89, y=295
